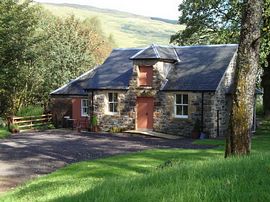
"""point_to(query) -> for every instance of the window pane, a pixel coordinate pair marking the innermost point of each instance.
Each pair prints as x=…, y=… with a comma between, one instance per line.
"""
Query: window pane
x=115, y=107
x=110, y=97
x=185, y=110
x=178, y=110
x=111, y=107
x=85, y=103
x=178, y=99
x=185, y=99
x=85, y=111
x=115, y=96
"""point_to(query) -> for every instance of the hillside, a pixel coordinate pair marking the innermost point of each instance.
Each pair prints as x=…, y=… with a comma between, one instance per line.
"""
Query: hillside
x=128, y=30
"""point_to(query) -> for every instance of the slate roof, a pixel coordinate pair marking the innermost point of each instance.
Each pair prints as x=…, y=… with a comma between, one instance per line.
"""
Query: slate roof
x=114, y=73
x=167, y=53
x=76, y=86
x=197, y=68
x=201, y=67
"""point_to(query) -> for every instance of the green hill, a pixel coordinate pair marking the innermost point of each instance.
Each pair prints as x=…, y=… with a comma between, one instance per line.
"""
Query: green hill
x=128, y=30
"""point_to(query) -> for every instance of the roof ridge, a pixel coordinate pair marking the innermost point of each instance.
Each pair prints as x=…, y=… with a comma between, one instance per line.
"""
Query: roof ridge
x=211, y=45
x=155, y=50
x=128, y=48
x=175, y=52
x=141, y=51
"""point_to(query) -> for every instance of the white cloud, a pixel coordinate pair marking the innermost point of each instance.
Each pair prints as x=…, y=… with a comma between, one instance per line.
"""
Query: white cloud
x=155, y=8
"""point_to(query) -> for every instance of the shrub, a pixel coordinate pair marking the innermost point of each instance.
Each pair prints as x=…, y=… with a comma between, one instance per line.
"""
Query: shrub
x=4, y=133
x=94, y=121
x=31, y=110
x=13, y=128
x=259, y=107
x=45, y=127
x=3, y=123
x=116, y=130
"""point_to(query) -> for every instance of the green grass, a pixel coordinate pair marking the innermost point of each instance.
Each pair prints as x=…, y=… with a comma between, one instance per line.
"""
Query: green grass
x=128, y=30
x=160, y=175
x=4, y=133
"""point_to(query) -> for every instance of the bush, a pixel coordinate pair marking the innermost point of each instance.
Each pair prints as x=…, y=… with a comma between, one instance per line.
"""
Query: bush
x=259, y=107
x=3, y=123
x=32, y=110
x=116, y=130
x=45, y=127
x=13, y=128
x=4, y=133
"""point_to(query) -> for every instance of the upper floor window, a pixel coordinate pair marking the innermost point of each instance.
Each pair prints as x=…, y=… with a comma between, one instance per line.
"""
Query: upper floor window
x=113, y=103
x=84, y=107
x=181, y=106
x=145, y=75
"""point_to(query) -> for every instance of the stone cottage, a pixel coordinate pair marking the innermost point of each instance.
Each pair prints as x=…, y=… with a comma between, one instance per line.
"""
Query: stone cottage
x=168, y=89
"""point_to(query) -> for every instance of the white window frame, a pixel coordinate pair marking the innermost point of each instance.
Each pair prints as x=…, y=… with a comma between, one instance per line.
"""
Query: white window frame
x=113, y=102
x=181, y=104
x=83, y=114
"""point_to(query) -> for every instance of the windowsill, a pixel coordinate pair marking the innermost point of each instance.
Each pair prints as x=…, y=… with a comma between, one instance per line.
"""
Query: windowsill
x=84, y=115
x=181, y=117
x=112, y=113
x=145, y=87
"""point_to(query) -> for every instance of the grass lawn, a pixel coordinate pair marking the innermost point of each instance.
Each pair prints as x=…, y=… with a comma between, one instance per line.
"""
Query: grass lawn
x=4, y=133
x=160, y=175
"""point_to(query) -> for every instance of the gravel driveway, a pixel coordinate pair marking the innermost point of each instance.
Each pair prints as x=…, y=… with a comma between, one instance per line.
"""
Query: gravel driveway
x=28, y=155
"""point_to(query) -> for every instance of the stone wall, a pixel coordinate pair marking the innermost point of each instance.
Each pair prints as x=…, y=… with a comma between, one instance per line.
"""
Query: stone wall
x=164, y=117
x=123, y=119
x=222, y=98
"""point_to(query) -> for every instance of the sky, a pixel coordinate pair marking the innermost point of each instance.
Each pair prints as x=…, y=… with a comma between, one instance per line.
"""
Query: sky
x=167, y=9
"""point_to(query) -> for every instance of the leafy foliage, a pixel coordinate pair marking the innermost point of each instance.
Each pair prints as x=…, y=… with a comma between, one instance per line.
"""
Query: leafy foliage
x=4, y=133
x=31, y=110
x=217, y=21
x=40, y=52
x=209, y=22
x=17, y=28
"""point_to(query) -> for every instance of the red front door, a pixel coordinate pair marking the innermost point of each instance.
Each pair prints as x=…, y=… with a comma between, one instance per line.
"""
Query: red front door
x=145, y=108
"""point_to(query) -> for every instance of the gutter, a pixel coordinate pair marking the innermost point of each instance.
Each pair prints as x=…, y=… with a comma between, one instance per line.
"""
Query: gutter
x=202, y=113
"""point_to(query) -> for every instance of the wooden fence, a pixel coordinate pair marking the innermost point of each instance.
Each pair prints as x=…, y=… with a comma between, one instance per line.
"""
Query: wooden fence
x=29, y=122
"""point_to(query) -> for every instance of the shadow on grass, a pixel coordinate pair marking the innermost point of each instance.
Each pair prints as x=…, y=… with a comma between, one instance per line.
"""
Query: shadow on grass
x=84, y=176
x=194, y=175
x=214, y=180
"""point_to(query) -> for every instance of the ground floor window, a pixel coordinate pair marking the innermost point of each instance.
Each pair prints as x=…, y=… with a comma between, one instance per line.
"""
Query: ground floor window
x=84, y=107
x=181, y=106
x=113, y=103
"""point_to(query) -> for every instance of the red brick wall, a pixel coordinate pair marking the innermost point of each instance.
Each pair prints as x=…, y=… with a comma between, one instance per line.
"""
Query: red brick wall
x=76, y=114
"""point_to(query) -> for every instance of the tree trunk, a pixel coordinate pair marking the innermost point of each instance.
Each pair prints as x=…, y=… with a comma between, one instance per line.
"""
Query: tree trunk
x=239, y=135
x=266, y=87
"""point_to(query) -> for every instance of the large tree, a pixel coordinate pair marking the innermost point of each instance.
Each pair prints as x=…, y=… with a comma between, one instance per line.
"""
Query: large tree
x=238, y=139
x=17, y=29
x=219, y=21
